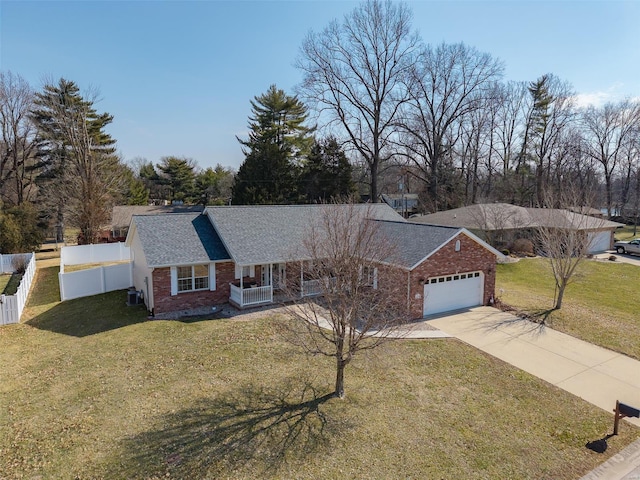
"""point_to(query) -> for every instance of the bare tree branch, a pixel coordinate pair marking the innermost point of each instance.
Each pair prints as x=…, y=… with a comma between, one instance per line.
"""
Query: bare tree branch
x=352, y=298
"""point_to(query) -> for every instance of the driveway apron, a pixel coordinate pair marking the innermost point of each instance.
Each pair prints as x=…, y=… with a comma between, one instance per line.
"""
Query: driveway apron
x=595, y=374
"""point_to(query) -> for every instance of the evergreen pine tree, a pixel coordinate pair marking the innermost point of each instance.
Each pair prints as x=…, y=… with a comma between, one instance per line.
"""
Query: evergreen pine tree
x=327, y=175
x=277, y=144
x=81, y=175
x=179, y=175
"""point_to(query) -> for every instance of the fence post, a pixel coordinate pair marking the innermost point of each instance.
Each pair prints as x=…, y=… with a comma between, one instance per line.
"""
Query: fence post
x=61, y=283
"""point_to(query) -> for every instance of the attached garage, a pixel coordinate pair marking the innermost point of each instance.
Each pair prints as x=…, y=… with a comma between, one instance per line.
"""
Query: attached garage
x=453, y=292
x=599, y=241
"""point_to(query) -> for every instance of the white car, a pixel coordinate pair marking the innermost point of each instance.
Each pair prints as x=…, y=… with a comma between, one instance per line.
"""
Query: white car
x=628, y=247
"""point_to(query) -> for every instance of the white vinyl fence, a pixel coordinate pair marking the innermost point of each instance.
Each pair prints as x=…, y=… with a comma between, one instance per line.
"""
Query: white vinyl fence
x=11, y=306
x=9, y=263
x=94, y=281
x=98, y=253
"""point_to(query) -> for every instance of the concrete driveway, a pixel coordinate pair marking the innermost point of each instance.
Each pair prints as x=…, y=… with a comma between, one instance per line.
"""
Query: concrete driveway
x=620, y=257
x=597, y=375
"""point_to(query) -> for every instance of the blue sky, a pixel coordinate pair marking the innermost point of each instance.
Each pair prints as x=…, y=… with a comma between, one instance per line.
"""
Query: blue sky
x=178, y=75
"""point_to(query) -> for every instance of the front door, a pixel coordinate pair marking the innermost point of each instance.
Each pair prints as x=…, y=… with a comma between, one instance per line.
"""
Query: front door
x=265, y=276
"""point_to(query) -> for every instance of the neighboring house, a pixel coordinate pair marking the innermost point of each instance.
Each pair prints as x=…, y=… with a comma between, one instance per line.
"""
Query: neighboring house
x=244, y=254
x=121, y=216
x=501, y=223
x=405, y=204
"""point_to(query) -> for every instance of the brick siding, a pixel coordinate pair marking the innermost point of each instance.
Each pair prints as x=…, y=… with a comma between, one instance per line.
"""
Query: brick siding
x=165, y=302
x=471, y=257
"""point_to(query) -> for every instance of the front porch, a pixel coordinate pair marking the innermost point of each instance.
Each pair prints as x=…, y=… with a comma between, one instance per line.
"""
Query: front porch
x=250, y=296
x=259, y=290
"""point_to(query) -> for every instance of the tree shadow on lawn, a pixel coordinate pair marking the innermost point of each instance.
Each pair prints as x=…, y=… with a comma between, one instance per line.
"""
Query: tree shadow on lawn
x=86, y=316
x=251, y=431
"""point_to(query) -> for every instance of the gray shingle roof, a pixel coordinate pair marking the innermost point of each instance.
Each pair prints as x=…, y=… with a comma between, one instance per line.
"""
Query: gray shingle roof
x=178, y=239
x=414, y=241
x=261, y=234
x=504, y=216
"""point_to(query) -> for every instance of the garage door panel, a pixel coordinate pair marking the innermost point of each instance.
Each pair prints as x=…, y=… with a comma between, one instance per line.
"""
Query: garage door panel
x=599, y=241
x=453, y=292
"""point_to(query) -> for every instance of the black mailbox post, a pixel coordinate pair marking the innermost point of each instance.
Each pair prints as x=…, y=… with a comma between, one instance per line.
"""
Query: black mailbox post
x=623, y=410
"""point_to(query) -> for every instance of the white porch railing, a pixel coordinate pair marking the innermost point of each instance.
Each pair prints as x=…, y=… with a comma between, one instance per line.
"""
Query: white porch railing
x=245, y=297
x=317, y=286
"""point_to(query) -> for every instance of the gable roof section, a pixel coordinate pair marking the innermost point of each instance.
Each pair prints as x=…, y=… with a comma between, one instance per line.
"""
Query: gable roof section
x=416, y=241
x=504, y=216
x=413, y=241
x=262, y=234
x=178, y=239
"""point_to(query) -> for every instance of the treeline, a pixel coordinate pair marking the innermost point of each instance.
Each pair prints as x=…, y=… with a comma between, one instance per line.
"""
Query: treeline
x=57, y=164
x=180, y=180
x=284, y=163
x=378, y=110
x=443, y=120
x=59, y=168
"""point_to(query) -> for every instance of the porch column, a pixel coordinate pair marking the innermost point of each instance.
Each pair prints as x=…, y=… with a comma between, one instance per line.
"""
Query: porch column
x=301, y=281
x=241, y=288
x=271, y=279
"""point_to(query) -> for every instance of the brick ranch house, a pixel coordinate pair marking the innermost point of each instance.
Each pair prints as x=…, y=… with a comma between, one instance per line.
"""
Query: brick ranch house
x=243, y=255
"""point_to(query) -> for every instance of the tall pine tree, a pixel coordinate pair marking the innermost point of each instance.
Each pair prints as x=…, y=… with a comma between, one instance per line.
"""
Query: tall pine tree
x=277, y=144
x=82, y=174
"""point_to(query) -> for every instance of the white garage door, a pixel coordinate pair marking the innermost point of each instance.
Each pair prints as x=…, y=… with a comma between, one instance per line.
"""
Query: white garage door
x=453, y=292
x=599, y=241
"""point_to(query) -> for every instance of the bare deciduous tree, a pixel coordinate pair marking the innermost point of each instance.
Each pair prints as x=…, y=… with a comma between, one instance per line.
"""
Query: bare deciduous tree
x=448, y=82
x=360, y=301
x=355, y=74
x=84, y=173
x=608, y=131
x=17, y=145
x=566, y=237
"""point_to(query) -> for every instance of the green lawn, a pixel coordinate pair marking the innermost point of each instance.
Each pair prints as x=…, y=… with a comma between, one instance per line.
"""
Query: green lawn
x=9, y=283
x=92, y=389
x=602, y=305
x=4, y=281
x=627, y=232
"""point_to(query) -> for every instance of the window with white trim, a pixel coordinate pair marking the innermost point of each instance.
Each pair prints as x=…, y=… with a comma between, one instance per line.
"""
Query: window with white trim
x=192, y=278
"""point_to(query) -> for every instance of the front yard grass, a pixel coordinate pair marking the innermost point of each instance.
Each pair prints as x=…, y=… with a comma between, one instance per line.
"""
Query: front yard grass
x=626, y=233
x=92, y=389
x=601, y=306
x=4, y=281
x=9, y=283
